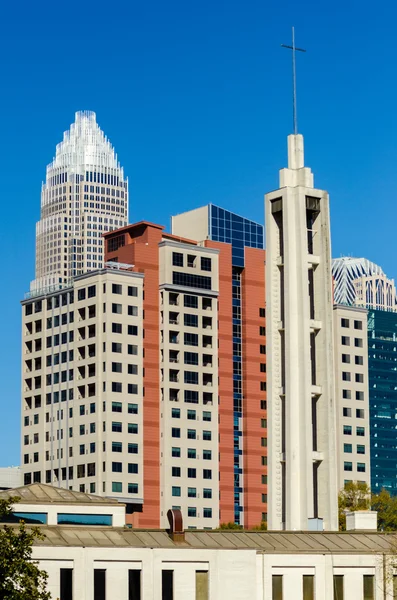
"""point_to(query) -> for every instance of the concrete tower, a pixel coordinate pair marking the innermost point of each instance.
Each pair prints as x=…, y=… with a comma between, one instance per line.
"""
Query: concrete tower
x=301, y=408
x=85, y=194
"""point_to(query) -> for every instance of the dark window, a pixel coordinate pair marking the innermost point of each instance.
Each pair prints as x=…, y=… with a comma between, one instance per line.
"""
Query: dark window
x=190, y=301
x=194, y=281
x=134, y=584
x=132, y=330
x=205, y=263
x=191, y=339
x=132, y=290
x=177, y=259
x=167, y=585
x=66, y=584
x=100, y=583
x=116, y=288
x=190, y=320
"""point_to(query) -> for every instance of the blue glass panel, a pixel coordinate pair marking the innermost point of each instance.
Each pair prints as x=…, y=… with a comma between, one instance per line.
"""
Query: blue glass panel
x=71, y=519
x=31, y=517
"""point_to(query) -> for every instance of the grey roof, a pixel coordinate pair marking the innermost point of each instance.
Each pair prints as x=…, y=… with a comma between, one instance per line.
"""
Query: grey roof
x=263, y=542
x=39, y=493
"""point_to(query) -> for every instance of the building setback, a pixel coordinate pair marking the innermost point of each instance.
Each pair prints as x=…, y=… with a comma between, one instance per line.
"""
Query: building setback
x=351, y=394
x=382, y=371
x=84, y=195
x=301, y=400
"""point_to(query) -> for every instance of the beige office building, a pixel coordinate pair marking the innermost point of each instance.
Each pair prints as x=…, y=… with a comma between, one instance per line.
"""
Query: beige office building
x=351, y=393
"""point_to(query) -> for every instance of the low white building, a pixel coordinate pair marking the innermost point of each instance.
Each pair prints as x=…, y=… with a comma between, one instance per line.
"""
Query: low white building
x=113, y=562
x=10, y=477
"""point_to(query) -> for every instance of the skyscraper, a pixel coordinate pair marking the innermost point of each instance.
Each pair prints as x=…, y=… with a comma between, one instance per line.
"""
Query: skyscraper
x=301, y=408
x=84, y=195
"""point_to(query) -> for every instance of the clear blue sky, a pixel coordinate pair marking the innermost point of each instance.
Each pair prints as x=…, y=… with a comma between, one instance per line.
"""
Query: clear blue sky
x=196, y=98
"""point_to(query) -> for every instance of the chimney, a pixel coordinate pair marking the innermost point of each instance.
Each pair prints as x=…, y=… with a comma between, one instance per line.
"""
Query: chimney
x=362, y=520
x=176, y=531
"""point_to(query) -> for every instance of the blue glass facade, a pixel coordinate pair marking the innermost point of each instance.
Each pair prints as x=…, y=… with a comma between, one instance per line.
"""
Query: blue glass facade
x=225, y=226
x=382, y=367
x=230, y=228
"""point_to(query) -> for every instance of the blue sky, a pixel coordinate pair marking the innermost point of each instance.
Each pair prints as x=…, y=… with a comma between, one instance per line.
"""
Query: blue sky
x=196, y=98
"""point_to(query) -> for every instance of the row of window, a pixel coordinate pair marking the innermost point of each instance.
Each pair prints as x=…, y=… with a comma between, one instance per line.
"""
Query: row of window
x=348, y=466
x=348, y=430
x=191, y=414
x=191, y=434
x=189, y=301
x=358, y=342
x=348, y=448
x=178, y=261
x=356, y=324
x=347, y=412
x=358, y=360
x=347, y=394
x=191, y=453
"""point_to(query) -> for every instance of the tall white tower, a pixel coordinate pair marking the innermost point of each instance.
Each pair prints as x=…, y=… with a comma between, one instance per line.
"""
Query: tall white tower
x=84, y=195
x=301, y=404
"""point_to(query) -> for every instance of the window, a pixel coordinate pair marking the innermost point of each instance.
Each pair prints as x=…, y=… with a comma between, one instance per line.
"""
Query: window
x=348, y=448
x=176, y=452
x=176, y=432
x=358, y=325
x=277, y=587
x=359, y=378
x=358, y=342
x=346, y=394
x=117, y=309
x=117, y=407
x=191, y=511
x=359, y=413
x=191, y=358
x=346, y=376
x=207, y=513
x=191, y=339
x=132, y=448
x=262, y=330
x=346, y=358
x=347, y=430
x=190, y=320
x=117, y=486
x=191, y=415
x=191, y=396
x=348, y=466
x=116, y=288
x=132, y=488
x=133, y=349
x=66, y=584
x=191, y=473
x=132, y=330
x=132, y=468
x=132, y=291
x=344, y=322
x=176, y=413
x=177, y=259
x=117, y=467
x=132, y=311
x=191, y=452
x=369, y=587
x=176, y=491
x=207, y=454
x=207, y=474
x=347, y=412
x=207, y=493
x=117, y=447
x=117, y=328
x=359, y=360
x=191, y=434
x=132, y=369
x=191, y=492
x=99, y=584
x=190, y=301
x=206, y=415
x=360, y=449
x=361, y=467
x=345, y=341
x=308, y=587
x=194, y=281
x=205, y=263
x=132, y=409
x=132, y=428
x=116, y=427
x=116, y=347
x=360, y=431
x=132, y=388
x=116, y=367
x=117, y=387
x=191, y=377
x=207, y=436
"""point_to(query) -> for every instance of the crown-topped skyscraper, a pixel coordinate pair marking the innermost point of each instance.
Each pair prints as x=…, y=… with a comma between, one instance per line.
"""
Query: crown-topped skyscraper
x=85, y=194
x=300, y=376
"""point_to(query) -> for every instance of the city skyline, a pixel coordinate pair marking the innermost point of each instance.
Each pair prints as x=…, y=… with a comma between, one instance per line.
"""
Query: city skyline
x=197, y=123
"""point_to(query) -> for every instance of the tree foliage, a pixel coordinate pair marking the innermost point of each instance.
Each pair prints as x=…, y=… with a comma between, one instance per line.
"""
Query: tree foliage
x=357, y=496
x=20, y=577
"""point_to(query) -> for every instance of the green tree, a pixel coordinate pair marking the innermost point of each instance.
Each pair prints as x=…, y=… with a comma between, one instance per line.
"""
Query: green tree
x=386, y=506
x=230, y=525
x=20, y=577
x=354, y=496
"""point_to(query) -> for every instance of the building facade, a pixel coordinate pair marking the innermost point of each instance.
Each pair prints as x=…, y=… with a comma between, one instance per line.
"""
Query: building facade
x=301, y=395
x=82, y=386
x=382, y=371
x=242, y=358
x=345, y=270
x=89, y=555
x=351, y=394
x=375, y=291
x=84, y=195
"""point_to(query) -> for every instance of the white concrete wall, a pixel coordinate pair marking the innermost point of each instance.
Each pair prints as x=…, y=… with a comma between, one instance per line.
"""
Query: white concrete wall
x=52, y=510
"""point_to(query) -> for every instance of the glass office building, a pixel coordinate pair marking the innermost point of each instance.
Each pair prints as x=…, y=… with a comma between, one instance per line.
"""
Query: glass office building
x=382, y=367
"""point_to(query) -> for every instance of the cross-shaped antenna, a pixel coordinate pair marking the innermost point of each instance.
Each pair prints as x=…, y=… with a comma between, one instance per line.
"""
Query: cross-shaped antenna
x=294, y=49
